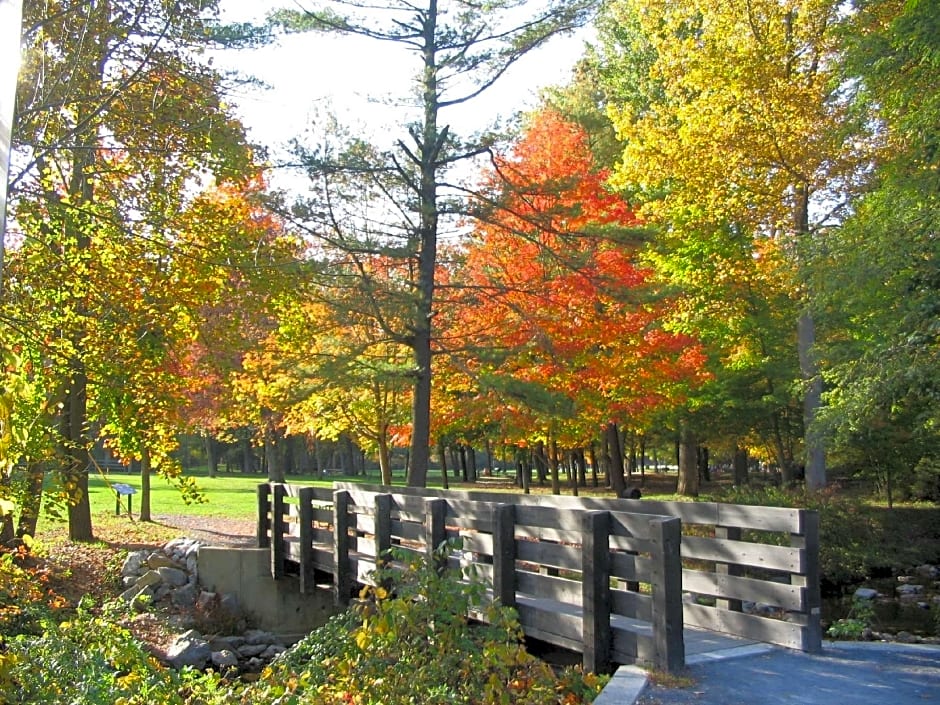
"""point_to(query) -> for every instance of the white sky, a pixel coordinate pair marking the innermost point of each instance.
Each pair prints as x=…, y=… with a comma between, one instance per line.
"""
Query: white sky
x=359, y=80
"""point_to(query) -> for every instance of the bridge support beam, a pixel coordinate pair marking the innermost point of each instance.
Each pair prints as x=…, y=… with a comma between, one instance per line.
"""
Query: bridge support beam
x=595, y=591
x=668, y=636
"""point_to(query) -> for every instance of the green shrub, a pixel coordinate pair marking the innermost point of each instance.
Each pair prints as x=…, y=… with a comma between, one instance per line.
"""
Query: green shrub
x=92, y=661
x=411, y=642
x=25, y=598
x=854, y=626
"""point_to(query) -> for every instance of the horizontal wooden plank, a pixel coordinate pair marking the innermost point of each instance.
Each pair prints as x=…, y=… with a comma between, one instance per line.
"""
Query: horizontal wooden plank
x=407, y=504
x=323, y=514
x=623, y=566
x=477, y=571
x=771, y=631
x=623, y=543
x=324, y=536
x=550, y=518
x=631, y=642
x=761, y=518
x=554, y=619
x=550, y=587
x=362, y=569
x=631, y=604
x=364, y=524
x=713, y=513
x=549, y=554
x=628, y=525
x=546, y=534
x=366, y=546
x=407, y=530
x=745, y=553
x=476, y=542
x=788, y=597
x=322, y=559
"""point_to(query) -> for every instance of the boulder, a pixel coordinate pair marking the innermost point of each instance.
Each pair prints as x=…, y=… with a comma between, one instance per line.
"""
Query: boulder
x=189, y=649
x=160, y=560
x=173, y=576
x=864, y=593
x=224, y=659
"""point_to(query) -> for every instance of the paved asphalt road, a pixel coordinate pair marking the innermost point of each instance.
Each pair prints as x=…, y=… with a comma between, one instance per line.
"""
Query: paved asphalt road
x=844, y=674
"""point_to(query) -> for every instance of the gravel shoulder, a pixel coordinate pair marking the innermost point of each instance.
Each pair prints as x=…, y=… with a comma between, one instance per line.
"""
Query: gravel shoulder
x=215, y=531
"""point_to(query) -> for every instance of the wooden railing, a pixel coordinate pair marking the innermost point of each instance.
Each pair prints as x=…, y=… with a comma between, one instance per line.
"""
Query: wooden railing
x=602, y=581
x=748, y=571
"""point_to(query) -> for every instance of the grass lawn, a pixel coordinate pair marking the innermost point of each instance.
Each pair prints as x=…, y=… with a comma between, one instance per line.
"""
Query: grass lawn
x=232, y=495
x=227, y=495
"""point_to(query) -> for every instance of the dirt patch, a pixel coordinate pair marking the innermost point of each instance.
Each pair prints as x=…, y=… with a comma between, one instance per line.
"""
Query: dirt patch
x=77, y=570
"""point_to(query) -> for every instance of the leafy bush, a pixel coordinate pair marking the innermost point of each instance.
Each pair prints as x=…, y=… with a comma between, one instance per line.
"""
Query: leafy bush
x=91, y=660
x=411, y=642
x=25, y=597
x=856, y=624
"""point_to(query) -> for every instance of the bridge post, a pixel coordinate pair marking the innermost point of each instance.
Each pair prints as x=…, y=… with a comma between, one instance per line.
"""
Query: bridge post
x=595, y=591
x=809, y=580
x=666, y=577
x=264, y=516
x=342, y=580
x=731, y=569
x=434, y=531
x=504, y=554
x=277, y=530
x=305, y=516
x=383, y=528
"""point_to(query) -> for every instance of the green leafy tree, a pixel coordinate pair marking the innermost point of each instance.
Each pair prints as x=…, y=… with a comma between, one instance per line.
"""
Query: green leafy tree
x=118, y=118
x=878, y=277
x=746, y=123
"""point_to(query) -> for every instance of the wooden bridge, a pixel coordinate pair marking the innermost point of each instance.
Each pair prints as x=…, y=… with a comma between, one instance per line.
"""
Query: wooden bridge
x=620, y=581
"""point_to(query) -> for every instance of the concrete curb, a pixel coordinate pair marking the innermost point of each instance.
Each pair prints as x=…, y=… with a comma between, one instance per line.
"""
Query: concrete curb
x=725, y=654
x=628, y=682
x=624, y=688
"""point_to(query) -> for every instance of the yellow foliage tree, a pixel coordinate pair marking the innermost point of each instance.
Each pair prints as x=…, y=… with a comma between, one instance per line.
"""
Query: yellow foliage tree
x=750, y=124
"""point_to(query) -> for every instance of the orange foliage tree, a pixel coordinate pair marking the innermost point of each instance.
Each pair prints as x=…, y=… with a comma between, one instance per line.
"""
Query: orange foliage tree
x=560, y=325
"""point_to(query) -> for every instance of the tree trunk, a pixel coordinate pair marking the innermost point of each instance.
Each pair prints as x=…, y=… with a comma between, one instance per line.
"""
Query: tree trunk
x=615, y=468
x=429, y=149
x=212, y=455
x=144, y=485
x=812, y=401
x=688, y=466
x=740, y=466
x=553, y=466
x=247, y=456
x=814, y=450
x=385, y=460
x=32, y=501
x=272, y=459
x=525, y=471
x=472, y=464
x=442, y=451
x=541, y=463
x=703, y=469
x=76, y=458
x=592, y=452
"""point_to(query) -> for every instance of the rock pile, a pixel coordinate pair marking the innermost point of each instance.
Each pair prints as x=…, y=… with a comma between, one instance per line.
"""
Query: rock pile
x=169, y=574
x=248, y=652
x=169, y=579
x=921, y=590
